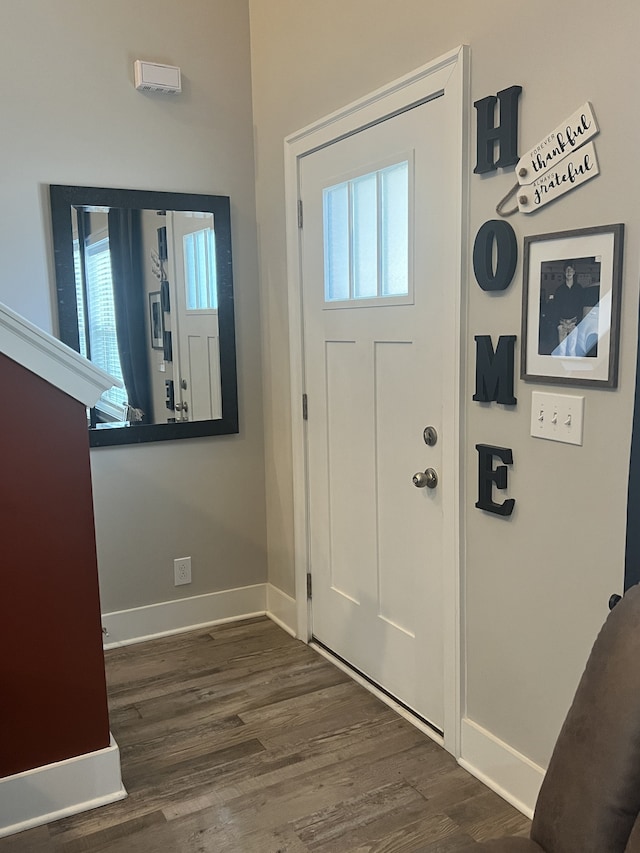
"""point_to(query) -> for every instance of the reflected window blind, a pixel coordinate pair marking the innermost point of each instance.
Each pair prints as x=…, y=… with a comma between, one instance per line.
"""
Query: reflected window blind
x=77, y=268
x=102, y=316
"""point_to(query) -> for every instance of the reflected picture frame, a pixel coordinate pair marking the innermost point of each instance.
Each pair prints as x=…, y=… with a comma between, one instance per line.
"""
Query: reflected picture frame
x=571, y=298
x=156, y=320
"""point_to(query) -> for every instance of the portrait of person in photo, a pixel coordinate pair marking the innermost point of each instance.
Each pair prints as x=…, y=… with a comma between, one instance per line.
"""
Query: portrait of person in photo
x=569, y=297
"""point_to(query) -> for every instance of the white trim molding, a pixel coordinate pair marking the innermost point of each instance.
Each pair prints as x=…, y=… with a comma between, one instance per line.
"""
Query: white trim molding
x=507, y=772
x=281, y=608
x=49, y=358
x=449, y=74
x=58, y=790
x=182, y=614
x=124, y=627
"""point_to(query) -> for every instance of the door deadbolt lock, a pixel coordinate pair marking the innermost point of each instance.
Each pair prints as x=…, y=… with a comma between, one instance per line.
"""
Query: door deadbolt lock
x=430, y=436
x=428, y=478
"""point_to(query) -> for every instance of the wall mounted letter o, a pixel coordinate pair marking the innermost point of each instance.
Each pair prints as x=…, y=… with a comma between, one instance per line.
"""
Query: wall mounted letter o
x=506, y=255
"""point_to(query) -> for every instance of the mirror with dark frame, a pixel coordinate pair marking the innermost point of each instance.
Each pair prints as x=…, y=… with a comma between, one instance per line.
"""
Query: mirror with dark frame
x=145, y=291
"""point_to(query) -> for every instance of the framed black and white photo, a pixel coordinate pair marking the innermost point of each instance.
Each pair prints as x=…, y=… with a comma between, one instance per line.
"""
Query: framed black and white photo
x=571, y=306
x=156, y=320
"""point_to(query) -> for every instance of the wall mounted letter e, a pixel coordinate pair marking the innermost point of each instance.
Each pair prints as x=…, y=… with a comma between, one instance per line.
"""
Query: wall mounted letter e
x=505, y=134
x=488, y=476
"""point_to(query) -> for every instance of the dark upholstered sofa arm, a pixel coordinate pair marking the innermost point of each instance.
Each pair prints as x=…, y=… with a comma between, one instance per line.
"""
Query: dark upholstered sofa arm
x=589, y=801
x=633, y=844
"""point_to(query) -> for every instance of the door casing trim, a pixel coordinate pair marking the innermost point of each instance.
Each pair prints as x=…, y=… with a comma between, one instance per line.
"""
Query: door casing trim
x=449, y=74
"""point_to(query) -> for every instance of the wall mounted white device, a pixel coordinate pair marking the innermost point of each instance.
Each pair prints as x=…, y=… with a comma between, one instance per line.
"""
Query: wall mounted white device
x=152, y=77
x=557, y=417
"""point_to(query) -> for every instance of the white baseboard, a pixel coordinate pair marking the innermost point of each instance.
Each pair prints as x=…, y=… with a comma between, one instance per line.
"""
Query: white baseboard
x=507, y=772
x=58, y=790
x=183, y=614
x=281, y=608
x=199, y=611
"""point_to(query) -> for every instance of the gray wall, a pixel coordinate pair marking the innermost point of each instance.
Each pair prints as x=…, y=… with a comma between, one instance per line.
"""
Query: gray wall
x=536, y=585
x=71, y=115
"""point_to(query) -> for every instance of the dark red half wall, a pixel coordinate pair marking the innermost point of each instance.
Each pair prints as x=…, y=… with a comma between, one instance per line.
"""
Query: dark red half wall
x=53, y=701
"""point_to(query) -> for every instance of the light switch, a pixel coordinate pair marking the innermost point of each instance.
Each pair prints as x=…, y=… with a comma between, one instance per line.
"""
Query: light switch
x=557, y=417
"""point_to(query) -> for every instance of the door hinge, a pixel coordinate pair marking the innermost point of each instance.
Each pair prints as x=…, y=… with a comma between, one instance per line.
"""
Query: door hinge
x=299, y=213
x=305, y=408
x=309, y=590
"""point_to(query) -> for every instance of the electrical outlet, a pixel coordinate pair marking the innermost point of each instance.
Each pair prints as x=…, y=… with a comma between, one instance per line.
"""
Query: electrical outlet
x=182, y=571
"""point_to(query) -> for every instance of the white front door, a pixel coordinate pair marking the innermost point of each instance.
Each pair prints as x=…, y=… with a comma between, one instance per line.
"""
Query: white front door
x=377, y=262
x=196, y=342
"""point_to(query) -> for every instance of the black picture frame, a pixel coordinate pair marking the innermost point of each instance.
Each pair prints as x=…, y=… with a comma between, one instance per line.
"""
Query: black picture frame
x=63, y=198
x=572, y=282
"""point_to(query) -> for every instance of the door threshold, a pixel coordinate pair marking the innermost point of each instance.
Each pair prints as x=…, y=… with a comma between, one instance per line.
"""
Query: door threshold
x=391, y=701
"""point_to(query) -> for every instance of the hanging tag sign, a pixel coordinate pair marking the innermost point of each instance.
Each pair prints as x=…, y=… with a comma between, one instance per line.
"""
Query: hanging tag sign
x=568, y=137
x=570, y=172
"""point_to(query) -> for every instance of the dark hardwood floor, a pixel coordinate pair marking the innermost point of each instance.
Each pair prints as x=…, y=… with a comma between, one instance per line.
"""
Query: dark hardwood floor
x=240, y=739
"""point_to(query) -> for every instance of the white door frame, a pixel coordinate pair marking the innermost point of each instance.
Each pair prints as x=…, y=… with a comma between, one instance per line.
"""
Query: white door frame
x=447, y=73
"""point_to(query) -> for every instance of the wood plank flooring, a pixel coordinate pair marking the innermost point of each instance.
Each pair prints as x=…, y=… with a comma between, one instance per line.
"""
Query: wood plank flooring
x=240, y=739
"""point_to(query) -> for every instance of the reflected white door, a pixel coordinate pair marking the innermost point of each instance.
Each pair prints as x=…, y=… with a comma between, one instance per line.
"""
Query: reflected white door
x=196, y=343
x=376, y=263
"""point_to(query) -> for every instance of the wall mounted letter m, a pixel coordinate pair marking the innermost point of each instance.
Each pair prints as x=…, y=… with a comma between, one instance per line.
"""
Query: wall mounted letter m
x=494, y=370
x=505, y=134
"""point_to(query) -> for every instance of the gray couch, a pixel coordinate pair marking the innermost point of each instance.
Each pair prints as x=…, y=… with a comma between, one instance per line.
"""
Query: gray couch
x=589, y=801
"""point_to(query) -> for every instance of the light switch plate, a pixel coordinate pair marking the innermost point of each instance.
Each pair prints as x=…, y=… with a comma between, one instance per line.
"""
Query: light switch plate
x=557, y=417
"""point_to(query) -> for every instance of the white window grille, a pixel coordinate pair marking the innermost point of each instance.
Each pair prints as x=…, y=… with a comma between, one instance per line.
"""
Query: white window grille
x=200, y=270
x=366, y=236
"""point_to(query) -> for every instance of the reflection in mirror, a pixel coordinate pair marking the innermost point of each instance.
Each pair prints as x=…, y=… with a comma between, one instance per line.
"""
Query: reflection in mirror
x=145, y=291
